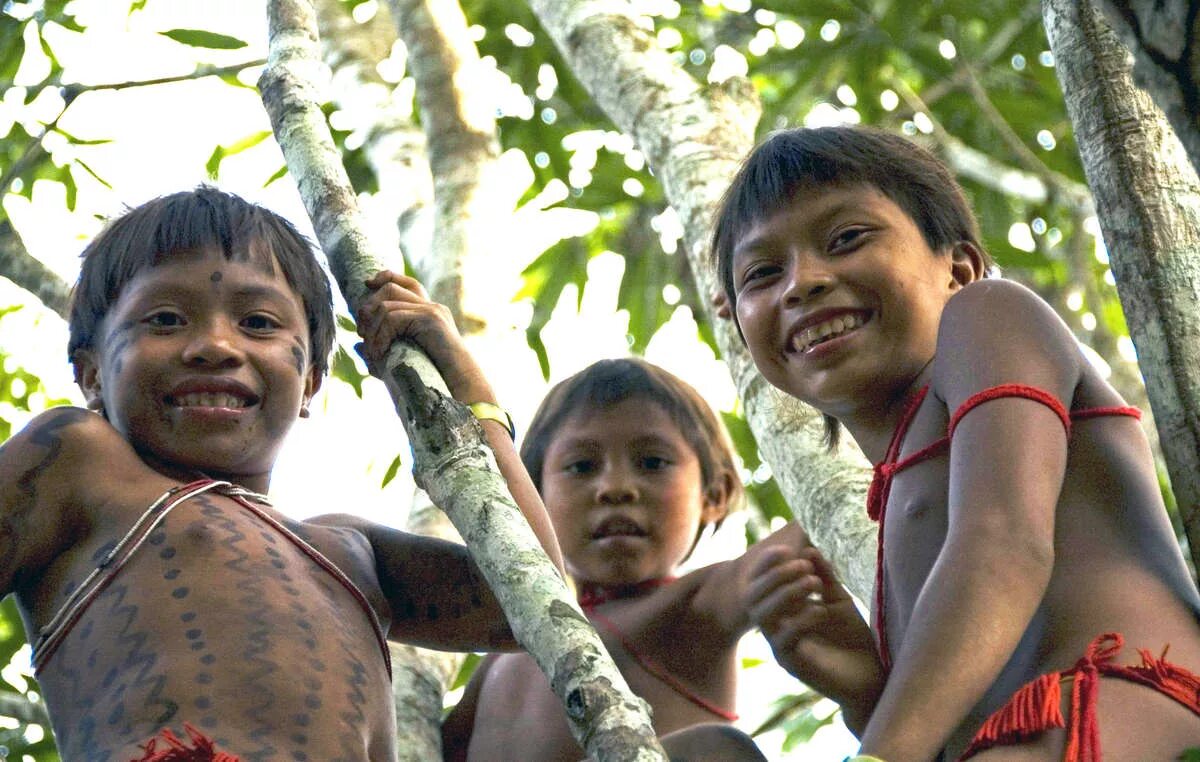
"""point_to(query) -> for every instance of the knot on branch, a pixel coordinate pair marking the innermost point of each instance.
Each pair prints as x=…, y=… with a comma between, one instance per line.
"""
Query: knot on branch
x=440, y=429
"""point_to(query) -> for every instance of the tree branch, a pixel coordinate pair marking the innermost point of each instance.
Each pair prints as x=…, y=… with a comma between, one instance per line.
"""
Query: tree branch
x=28, y=272
x=451, y=459
x=695, y=139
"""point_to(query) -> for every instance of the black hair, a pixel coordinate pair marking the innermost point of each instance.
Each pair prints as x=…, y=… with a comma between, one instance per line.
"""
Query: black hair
x=191, y=221
x=789, y=162
x=609, y=382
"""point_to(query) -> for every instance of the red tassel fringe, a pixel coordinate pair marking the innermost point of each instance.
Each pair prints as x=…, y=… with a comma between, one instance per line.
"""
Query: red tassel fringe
x=198, y=748
x=1032, y=709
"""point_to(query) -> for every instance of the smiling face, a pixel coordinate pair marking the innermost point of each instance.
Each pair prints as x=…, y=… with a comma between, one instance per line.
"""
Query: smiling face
x=624, y=490
x=839, y=297
x=202, y=364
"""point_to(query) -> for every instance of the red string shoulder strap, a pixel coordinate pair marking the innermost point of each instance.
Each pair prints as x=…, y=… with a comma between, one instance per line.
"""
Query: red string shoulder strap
x=1010, y=390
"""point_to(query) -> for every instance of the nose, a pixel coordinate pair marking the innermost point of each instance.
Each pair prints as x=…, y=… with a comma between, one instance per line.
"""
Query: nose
x=807, y=276
x=214, y=343
x=615, y=486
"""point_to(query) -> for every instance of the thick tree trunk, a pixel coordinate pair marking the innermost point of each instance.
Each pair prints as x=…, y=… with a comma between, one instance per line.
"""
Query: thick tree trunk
x=1164, y=36
x=1148, y=201
x=695, y=138
x=451, y=459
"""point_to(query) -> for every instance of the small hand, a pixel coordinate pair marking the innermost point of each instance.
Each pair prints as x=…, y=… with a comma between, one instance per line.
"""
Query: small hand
x=399, y=308
x=815, y=629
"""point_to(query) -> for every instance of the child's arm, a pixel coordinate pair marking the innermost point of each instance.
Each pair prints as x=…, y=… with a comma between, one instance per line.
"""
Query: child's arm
x=996, y=562
x=39, y=467
x=815, y=629
x=399, y=309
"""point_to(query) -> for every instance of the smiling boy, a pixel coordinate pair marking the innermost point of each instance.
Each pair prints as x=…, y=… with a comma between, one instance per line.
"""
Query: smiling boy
x=163, y=594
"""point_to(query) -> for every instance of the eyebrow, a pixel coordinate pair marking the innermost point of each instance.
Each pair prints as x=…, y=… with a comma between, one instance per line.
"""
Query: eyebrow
x=748, y=244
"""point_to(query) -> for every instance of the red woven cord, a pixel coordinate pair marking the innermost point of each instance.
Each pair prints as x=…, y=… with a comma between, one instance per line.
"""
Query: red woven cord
x=1097, y=412
x=1035, y=707
x=877, y=498
x=198, y=748
x=593, y=595
x=1010, y=390
x=658, y=670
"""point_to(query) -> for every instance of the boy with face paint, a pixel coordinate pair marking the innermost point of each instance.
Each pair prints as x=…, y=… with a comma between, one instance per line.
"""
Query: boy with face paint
x=176, y=614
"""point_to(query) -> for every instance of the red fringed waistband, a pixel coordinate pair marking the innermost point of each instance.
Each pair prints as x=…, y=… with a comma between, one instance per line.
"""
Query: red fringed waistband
x=198, y=748
x=1036, y=707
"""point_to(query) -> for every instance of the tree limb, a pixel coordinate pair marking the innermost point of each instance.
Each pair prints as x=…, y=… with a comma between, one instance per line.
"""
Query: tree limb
x=451, y=459
x=28, y=272
x=695, y=139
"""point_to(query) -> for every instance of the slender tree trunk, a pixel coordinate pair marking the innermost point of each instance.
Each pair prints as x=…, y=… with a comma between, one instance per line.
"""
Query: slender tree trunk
x=451, y=459
x=1164, y=36
x=1148, y=201
x=395, y=150
x=695, y=138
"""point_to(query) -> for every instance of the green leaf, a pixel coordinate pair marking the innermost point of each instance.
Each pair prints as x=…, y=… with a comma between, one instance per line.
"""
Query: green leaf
x=345, y=369
x=201, y=38
x=469, y=665
x=749, y=662
x=1191, y=755
x=278, y=174
x=346, y=323
x=392, y=470
x=213, y=165
x=91, y=172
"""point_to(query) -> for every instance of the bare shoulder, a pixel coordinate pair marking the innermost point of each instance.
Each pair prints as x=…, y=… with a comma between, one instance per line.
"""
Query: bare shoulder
x=997, y=331
x=54, y=463
x=996, y=310
x=57, y=451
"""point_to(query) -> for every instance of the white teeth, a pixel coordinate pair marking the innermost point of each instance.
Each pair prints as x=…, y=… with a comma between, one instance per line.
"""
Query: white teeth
x=821, y=332
x=209, y=399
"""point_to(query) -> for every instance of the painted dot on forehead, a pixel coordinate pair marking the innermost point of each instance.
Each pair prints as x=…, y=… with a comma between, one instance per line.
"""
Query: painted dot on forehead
x=215, y=277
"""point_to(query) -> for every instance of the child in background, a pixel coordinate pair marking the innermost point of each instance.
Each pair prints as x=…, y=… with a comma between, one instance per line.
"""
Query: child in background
x=633, y=467
x=1023, y=538
x=170, y=606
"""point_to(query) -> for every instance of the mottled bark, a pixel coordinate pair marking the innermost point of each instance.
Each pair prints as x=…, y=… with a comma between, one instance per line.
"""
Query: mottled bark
x=1148, y=200
x=28, y=272
x=461, y=143
x=394, y=149
x=451, y=459
x=1163, y=37
x=695, y=137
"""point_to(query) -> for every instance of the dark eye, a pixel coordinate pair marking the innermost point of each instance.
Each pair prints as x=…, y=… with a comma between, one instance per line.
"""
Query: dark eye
x=846, y=239
x=164, y=319
x=260, y=322
x=580, y=467
x=758, y=272
x=653, y=463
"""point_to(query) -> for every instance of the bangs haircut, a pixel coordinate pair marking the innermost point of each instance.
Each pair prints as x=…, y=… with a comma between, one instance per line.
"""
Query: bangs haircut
x=788, y=163
x=191, y=221
x=609, y=382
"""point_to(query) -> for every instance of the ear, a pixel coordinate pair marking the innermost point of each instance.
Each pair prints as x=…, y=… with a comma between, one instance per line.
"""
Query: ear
x=966, y=265
x=312, y=385
x=716, y=499
x=87, y=376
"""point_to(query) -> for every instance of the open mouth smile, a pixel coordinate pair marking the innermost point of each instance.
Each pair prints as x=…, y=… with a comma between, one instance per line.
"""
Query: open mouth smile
x=617, y=526
x=817, y=334
x=210, y=399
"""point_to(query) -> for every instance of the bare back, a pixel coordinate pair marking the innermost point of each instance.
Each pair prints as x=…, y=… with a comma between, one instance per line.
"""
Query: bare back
x=217, y=620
